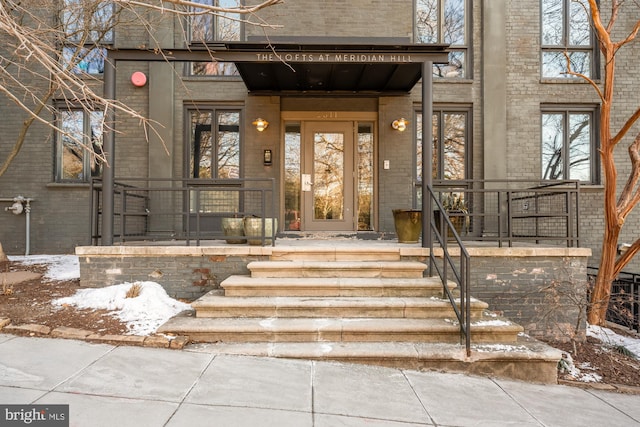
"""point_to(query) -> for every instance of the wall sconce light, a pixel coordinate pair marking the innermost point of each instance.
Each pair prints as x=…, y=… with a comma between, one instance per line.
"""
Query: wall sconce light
x=400, y=124
x=260, y=124
x=267, y=157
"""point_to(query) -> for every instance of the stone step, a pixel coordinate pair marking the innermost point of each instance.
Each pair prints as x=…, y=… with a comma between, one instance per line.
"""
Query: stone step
x=525, y=360
x=335, y=253
x=360, y=269
x=337, y=329
x=214, y=305
x=333, y=286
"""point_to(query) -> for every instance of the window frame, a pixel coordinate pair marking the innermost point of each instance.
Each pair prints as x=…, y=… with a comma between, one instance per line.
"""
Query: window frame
x=189, y=142
x=440, y=110
x=594, y=144
x=565, y=47
x=94, y=47
x=465, y=48
x=88, y=155
x=229, y=71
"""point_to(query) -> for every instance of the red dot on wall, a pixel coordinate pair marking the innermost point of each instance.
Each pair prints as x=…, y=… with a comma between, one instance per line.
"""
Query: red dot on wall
x=138, y=79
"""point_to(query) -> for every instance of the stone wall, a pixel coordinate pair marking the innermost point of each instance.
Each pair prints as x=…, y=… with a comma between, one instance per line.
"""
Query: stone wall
x=546, y=293
x=542, y=289
x=186, y=276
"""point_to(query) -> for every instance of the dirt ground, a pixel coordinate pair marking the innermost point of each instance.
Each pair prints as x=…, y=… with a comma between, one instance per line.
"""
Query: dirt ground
x=30, y=302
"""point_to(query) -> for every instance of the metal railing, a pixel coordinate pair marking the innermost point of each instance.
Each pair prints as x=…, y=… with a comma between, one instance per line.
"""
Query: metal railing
x=183, y=209
x=499, y=211
x=624, y=303
x=513, y=211
x=451, y=266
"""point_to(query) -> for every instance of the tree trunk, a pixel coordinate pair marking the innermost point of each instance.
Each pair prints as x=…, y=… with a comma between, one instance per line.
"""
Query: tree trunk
x=601, y=291
x=3, y=256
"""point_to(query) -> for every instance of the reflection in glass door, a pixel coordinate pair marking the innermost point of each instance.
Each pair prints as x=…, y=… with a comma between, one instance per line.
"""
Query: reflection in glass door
x=328, y=176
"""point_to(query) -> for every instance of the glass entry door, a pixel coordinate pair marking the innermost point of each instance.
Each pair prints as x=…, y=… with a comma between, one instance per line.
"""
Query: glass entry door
x=327, y=177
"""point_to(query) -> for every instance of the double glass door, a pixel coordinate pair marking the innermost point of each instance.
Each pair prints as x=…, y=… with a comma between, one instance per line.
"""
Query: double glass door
x=328, y=176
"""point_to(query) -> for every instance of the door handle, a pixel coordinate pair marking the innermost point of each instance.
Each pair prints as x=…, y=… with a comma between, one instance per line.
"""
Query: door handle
x=306, y=182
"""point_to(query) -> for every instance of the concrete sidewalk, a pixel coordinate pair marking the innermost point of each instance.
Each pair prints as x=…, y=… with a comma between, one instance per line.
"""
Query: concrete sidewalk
x=133, y=386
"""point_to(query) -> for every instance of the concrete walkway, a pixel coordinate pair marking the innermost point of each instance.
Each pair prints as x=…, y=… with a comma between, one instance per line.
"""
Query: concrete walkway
x=134, y=386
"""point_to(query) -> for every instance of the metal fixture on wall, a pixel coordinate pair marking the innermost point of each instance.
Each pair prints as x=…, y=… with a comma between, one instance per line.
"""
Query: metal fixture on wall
x=139, y=79
x=268, y=157
x=21, y=204
x=400, y=124
x=260, y=124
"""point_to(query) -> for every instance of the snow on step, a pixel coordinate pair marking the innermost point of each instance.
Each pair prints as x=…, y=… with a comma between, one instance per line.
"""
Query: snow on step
x=334, y=329
x=331, y=286
x=361, y=269
x=214, y=305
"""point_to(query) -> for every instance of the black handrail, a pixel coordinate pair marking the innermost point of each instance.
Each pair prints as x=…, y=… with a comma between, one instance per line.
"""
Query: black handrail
x=441, y=227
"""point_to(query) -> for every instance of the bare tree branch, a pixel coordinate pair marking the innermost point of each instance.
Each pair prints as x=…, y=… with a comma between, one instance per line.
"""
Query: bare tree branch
x=582, y=76
x=630, y=195
x=36, y=70
x=626, y=127
x=615, y=212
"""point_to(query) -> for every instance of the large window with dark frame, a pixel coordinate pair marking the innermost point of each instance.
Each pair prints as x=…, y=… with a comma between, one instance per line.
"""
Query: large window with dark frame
x=223, y=26
x=446, y=21
x=78, y=144
x=214, y=146
x=451, y=145
x=567, y=39
x=88, y=28
x=569, y=148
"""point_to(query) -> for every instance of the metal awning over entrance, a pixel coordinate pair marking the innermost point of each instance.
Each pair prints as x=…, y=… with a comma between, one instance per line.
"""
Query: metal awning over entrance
x=318, y=66
x=375, y=66
x=321, y=65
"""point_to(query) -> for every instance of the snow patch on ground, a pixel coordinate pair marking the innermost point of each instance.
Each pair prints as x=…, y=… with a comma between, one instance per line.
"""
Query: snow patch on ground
x=142, y=314
x=59, y=267
x=610, y=338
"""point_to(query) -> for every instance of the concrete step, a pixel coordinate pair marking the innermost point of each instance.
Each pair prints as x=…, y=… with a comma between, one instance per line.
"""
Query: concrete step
x=337, y=329
x=360, y=269
x=333, y=253
x=333, y=286
x=215, y=305
x=525, y=360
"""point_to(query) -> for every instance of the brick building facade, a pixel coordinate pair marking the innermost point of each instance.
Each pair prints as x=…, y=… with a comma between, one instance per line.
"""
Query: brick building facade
x=501, y=88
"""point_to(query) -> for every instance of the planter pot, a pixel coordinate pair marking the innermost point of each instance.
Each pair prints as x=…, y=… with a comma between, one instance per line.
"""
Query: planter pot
x=408, y=224
x=253, y=230
x=233, y=227
x=457, y=221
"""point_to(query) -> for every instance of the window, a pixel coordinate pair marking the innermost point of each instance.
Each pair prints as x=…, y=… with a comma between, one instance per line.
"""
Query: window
x=445, y=21
x=566, y=33
x=88, y=26
x=215, y=143
x=569, y=144
x=219, y=27
x=451, y=143
x=78, y=145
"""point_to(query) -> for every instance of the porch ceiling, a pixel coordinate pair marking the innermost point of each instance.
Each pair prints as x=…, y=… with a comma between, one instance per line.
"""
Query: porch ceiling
x=282, y=77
